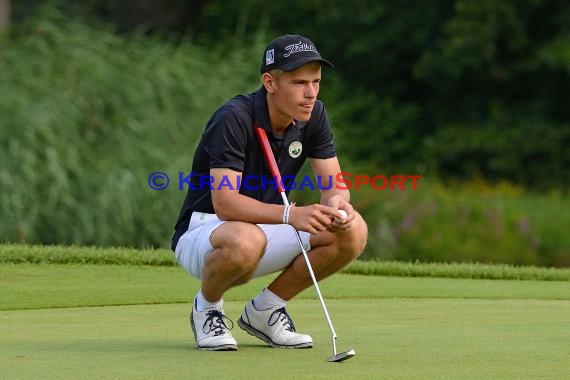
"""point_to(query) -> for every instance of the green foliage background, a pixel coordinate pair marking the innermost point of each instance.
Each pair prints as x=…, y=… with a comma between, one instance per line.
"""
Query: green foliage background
x=469, y=94
x=87, y=116
x=455, y=88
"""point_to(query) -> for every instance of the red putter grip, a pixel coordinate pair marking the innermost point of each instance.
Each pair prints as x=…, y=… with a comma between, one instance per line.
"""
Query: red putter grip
x=269, y=158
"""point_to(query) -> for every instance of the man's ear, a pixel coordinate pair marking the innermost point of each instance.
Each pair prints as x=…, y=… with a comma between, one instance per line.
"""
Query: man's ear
x=268, y=82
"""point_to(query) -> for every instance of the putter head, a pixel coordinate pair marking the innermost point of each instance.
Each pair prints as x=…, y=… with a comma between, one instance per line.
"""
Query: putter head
x=342, y=356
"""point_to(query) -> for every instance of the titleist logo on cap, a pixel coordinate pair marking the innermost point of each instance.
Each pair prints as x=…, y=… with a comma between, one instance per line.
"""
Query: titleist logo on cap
x=289, y=52
x=300, y=46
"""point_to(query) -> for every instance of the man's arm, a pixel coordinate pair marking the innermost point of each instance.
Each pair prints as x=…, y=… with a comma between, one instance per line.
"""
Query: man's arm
x=230, y=205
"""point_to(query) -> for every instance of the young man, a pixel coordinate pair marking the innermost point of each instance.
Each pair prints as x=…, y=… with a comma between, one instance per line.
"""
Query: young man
x=235, y=228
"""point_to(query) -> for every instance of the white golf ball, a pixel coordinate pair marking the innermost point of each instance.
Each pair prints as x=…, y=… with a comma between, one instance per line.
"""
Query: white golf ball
x=344, y=215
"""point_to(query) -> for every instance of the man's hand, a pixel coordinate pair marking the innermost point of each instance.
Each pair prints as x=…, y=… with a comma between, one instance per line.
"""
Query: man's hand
x=339, y=223
x=312, y=219
x=332, y=195
x=317, y=218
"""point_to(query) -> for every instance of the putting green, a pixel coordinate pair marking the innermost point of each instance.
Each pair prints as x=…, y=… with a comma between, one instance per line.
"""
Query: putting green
x=394, y=338
x=401, y=328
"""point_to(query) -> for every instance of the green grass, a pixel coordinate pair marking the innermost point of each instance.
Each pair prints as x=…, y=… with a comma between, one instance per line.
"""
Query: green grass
x=60, y=254
x=57, y=254
x=66, y=313
x=394, y=338
x=36, y=286
x=427, y=338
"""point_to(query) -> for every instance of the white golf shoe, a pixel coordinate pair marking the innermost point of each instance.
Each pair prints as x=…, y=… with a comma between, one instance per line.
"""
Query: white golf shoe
x=273, y=326
x=210, y=330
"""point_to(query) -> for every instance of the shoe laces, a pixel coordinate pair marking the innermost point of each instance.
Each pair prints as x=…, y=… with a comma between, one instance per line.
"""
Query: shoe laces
x=280, y=315
x=215, y=322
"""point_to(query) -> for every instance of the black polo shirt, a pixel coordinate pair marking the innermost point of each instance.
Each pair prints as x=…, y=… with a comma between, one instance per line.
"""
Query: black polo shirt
x=229, y=141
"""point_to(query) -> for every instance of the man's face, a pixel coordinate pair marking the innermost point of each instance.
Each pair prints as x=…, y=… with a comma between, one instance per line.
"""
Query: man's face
x=296, y=91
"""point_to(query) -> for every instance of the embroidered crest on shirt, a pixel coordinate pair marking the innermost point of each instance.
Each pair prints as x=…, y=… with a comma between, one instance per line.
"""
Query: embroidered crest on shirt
x=295, y=149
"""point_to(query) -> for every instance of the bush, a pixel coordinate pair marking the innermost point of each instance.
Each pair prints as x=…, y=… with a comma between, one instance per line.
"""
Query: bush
x=477, y=222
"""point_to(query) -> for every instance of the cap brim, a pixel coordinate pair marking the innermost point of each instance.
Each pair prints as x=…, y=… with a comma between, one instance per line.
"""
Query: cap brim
x=303, y=61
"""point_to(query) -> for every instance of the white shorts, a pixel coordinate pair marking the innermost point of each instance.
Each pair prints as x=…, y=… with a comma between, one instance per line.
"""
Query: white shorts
x=194, y=245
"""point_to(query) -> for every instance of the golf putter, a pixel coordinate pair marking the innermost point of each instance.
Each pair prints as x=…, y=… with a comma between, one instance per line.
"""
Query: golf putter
x=270, y=159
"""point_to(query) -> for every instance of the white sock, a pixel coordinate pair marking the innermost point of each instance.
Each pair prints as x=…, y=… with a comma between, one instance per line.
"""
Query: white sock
x=203, y=304
x=267, y=300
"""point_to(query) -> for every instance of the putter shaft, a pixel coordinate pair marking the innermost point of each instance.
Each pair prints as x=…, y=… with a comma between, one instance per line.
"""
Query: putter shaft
x=313, y=277
x=272, y=164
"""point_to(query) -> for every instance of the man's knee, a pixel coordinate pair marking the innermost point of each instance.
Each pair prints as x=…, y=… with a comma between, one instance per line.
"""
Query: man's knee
x=243, y=245
x=353, y=241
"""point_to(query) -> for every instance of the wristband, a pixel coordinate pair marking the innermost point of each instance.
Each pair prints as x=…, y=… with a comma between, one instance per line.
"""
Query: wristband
x=286, y=213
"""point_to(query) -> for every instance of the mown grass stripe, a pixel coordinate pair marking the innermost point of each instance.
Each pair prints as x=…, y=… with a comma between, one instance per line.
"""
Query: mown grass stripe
x=38, y=286
x=56, y=254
